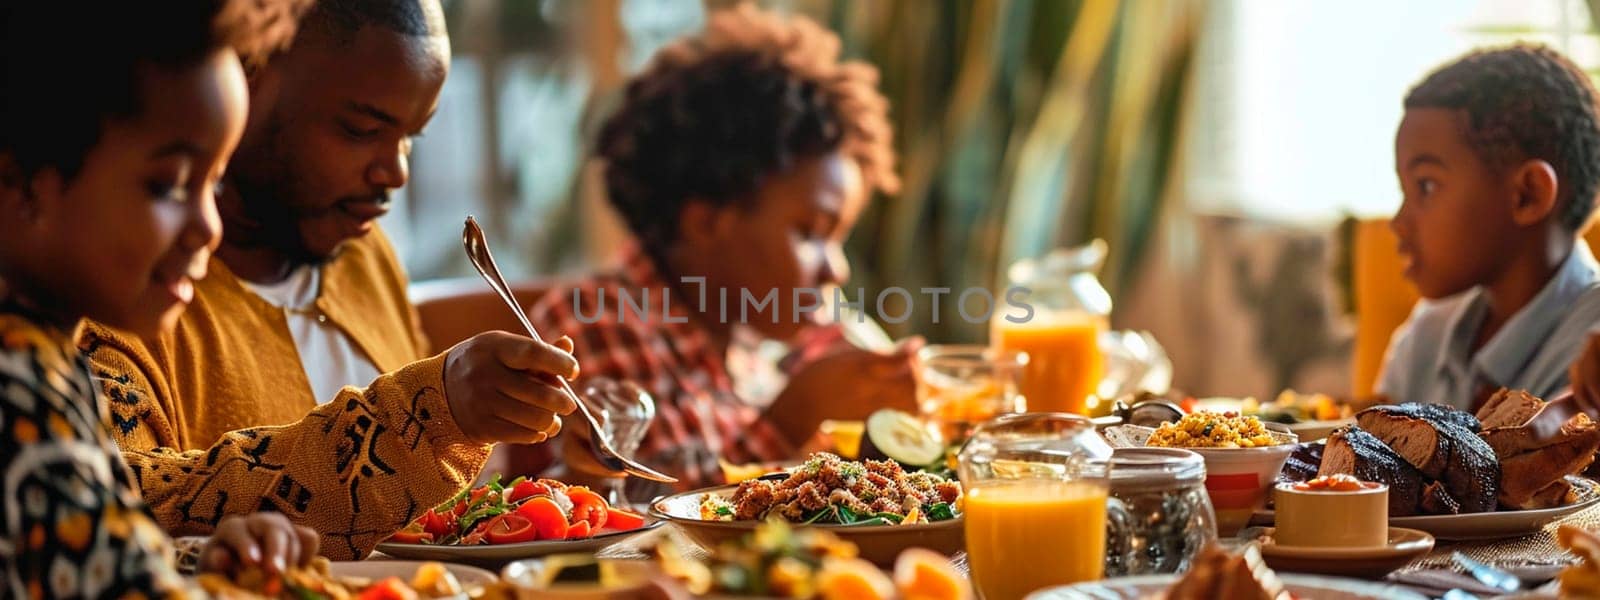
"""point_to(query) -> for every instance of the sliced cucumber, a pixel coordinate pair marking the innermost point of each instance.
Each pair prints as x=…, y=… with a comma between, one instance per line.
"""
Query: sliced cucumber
x=897, y=436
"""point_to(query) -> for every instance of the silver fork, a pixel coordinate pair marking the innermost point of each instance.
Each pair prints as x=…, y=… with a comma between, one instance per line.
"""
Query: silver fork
x=1490, y=576
x=478, y=252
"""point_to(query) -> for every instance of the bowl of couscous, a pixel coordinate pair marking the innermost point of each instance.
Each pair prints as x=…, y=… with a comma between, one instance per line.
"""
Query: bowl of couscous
x=1243, y=458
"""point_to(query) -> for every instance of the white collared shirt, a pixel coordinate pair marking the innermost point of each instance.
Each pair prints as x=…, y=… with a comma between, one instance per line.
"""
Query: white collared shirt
x=1430, y=359
x=330, y=360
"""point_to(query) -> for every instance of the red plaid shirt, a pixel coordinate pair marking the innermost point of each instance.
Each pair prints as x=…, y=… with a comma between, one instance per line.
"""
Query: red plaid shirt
x=699, y=418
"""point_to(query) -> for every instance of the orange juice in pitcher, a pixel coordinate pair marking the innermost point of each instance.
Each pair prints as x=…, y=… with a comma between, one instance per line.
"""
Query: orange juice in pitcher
x=1065, y=364
x=1070, y=311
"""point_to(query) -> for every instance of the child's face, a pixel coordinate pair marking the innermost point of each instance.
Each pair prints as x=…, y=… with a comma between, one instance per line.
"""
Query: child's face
x=1455, y=221
x=792, y=238
x=123, y=241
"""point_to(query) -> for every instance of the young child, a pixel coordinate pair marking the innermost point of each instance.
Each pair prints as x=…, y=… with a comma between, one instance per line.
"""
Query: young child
x=114, y=127
x=1498, y=158
x=740, y=160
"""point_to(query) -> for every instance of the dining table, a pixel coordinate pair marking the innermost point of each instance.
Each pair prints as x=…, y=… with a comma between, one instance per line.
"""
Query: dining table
x=1534, y=557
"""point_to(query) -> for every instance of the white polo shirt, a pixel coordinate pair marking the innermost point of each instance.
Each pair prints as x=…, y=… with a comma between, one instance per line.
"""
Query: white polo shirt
x=1428, y=358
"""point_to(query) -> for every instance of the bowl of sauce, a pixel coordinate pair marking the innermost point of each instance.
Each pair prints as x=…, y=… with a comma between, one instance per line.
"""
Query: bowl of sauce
x=1333, y=511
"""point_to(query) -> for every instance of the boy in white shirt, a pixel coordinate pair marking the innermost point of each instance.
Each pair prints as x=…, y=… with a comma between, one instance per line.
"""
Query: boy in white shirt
x=1499, y=159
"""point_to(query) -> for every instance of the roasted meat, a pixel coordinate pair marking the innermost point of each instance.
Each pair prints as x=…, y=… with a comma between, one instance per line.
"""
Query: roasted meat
x=1558, y=493
x=1513, y=440
x=1438, y=441
x=1303, y=464
x=1530, y=466
x=1508, y=408
x=1411, y=435
x=1352, y=451
x=1437, y=501
x=1442, y=413
x=1533, y=470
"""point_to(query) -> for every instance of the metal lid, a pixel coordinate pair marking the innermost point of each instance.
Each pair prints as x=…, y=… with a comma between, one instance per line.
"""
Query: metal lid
x=1155, y=468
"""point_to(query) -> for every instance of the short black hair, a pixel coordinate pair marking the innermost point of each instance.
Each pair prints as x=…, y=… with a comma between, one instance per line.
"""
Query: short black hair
x=1525, y=102
x=341, y=19
x=717, y=113
x=66, y=69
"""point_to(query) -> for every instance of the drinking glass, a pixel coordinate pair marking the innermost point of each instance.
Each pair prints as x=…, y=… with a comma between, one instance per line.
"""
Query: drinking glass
x=626, y=411
x=960, y=386
x=1038, y=508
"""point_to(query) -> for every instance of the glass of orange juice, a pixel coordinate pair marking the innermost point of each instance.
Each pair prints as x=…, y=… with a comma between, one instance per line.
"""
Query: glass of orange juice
x=961, y=385
x=1037, y=504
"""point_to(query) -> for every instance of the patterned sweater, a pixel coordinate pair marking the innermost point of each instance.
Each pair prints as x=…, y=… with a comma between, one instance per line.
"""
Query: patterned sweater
x=218, y=417
x=71, y=523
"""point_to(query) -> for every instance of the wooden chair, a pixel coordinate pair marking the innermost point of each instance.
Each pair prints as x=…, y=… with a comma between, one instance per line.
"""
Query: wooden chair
x=452, y=310
x=1383, y=300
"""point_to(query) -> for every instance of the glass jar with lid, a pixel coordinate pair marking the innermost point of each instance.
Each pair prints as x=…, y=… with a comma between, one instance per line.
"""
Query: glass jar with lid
x=1170, y=515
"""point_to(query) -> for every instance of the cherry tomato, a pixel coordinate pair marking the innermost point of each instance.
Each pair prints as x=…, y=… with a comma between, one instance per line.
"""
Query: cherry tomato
x=578, y=531
x=546, y=517
x=511, y=528
x=412, y=534
x=439, y=525
x=622, y=520
x=389, y=589
x=526, y=489
x=587, y=506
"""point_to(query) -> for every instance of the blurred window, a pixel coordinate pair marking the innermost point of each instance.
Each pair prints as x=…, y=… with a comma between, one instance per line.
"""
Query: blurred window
x=1298, y=101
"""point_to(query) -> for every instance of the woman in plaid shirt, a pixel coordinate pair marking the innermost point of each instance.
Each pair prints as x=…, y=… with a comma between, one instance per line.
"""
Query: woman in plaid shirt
x=740, y=159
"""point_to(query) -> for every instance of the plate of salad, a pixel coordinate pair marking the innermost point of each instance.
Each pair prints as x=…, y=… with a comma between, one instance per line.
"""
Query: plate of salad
x=522, y=518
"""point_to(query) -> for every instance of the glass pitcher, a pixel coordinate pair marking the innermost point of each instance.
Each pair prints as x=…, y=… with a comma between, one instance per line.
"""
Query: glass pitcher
x=1062, y=338
x=1135, y=364
x=1037, y=509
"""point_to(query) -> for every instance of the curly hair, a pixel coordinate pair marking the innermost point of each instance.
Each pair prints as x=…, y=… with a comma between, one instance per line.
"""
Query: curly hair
x=67, y=69
x=1524, y=102
x=717, y=113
